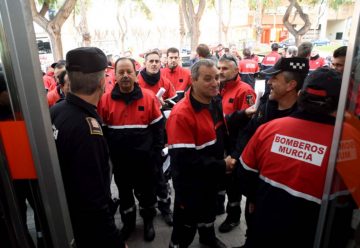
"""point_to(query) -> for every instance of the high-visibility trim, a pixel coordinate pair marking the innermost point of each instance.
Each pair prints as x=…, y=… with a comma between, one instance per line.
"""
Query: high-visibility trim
x=156, y=120
x=180, y=91
x=129, y=210
x=205, y=145
x=172, y=245
x=247, y=73
x=165, y=200
x=193, y=145
x=268, y=64
x=234, y=204
x=127, y=126
x=181, y=146
x=246, y=167
x=206, y=224
x=339, y=193
x=222, y=192
x=173, y=97
x=291, y=191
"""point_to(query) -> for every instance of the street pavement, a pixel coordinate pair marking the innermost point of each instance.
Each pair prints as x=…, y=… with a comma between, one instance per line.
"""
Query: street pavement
x=163, y=231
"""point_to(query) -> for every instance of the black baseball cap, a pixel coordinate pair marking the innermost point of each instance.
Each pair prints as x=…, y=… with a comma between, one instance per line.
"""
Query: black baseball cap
x=86, y=60
x=275, y=46
x=323, y=82
x=61, y=61
x=300, y=65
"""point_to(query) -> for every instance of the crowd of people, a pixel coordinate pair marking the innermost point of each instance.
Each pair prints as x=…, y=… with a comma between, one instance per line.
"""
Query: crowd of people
x=221, y=138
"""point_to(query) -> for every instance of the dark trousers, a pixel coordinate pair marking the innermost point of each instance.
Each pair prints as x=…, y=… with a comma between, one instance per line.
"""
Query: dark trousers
x=29, y=190
x=191, y=217
x=163, y=192
x=234, y=197
x=135, y=176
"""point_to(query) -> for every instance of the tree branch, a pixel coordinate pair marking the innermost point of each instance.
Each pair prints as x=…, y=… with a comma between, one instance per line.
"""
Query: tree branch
x=44, y=8
x=186, y=14
x=64, y=12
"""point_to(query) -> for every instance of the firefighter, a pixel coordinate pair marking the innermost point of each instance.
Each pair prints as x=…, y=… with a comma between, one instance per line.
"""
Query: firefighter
x=248, y=68
x=180, y=77
x=135, y=136
x=151, y=77
x=269, y=61
x=285, y=165
x=196, y=133
x=286, y=79
x=60, y=91
x=83, y=152
x=315, y=60
x=236, y=96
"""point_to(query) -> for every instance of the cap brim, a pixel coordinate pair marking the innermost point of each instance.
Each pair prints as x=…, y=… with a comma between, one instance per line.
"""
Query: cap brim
x=269, y=72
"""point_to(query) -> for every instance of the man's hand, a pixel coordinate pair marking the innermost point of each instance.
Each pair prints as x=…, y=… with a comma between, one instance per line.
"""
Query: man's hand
x=230, y=164
x=250, y=111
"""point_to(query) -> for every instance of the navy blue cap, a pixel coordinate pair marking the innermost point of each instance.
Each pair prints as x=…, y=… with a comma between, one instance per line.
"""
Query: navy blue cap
x=323, y=82
x=300, y=65
x=86, y=60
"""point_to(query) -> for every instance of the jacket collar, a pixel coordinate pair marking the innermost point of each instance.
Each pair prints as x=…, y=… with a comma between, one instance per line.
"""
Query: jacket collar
x=88, y=107
x=128, y=98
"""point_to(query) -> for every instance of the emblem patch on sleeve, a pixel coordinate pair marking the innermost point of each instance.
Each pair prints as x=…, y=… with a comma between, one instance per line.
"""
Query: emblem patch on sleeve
x=94, y=126
x=250, y=100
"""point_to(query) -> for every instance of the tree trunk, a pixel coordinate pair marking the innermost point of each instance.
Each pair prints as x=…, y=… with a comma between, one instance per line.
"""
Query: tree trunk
x=181, y=27
x=54, y=32
x=258, y=21
x=192, y=20
x=84, y=28
x=296, y=33
x=53, y=27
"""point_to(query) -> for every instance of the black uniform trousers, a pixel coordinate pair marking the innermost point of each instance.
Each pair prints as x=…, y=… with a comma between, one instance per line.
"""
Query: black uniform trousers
x=135, y=175
x=196, y=212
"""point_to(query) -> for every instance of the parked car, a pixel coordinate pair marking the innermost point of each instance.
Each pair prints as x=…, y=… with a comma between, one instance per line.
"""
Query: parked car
x=321, y=42
x=287, y=43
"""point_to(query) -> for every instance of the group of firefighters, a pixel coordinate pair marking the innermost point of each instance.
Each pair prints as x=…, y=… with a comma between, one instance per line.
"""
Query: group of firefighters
x=221, y=137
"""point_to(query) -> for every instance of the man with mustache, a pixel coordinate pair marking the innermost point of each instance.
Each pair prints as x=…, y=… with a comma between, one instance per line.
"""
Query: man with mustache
x=236, y=96
x=135, y=138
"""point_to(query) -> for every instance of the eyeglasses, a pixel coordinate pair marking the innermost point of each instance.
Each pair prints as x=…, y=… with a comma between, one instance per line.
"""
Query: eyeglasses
x=229, y=58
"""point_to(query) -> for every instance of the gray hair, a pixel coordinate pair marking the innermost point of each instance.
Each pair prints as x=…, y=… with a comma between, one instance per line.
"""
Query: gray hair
x=85, y=83
x=292, y=50
x=304, y=49
x=202, y=62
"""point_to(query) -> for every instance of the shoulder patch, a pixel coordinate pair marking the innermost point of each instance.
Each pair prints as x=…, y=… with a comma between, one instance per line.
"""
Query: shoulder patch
x=94, y=126
x=250, y=99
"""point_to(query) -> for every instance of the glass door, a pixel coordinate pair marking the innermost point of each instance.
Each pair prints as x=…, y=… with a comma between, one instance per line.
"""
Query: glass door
x=339, y=222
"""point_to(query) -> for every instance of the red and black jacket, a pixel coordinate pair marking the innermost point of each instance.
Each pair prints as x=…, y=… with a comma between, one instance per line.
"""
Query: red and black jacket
x=284, y=168
x=247, y=69
x=196, y=138
x=134, y=122
x=316, y=62
x=236, y=95
x=163, y=82
x=270, y=60
x=180, y=78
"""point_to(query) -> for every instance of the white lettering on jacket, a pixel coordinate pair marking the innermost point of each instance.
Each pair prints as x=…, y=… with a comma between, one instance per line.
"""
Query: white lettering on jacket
x=303, y=150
